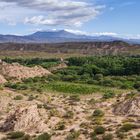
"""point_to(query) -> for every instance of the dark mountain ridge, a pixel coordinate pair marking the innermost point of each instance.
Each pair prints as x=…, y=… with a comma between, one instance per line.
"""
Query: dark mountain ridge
x=60, y=37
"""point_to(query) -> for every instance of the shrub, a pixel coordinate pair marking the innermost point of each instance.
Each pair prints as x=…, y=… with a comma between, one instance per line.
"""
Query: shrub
x=75, y=98
x=120, y=135
x=31, y=98
x=127, y=127
x=92, y=101
x=18, y=97
x=70, y=78
x=99, y=130
x=54, y=112
x=53, y=77
x=126, y=86
x=138, y=135
x=108, y=137
x=44, y=136
x=73, y=135
x=107, y=82
x=95, y=82
x=93, y=137
x=109, y=95
x=39, y=105
x=17, y=86
x=26, y=137
x=15, y=135
x=98, y=77
x=60, y=126
x=1, y=87
x=137, y=85
x=69, y=115
x=98, y=113
x=138, y=89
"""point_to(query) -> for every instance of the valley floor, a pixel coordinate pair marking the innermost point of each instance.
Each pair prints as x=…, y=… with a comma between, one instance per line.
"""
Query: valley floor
x=66, y=117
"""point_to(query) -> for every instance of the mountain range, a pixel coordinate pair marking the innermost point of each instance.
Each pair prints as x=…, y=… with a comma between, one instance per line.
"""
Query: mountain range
x=60, y=36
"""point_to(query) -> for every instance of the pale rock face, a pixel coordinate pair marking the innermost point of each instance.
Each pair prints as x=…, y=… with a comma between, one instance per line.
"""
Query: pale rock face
x=24, y=119
x=2, y=79
x=19, y=72
x=128, y=107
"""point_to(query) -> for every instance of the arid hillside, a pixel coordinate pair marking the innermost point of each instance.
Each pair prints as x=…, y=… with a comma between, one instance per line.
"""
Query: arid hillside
x=87, y=48
x=60, y=117
x=18, y=72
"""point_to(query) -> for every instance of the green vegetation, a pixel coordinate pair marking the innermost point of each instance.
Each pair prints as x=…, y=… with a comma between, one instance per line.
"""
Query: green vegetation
x=127, y=127
x=109, y=95
x=44, y=136
x=138, y=135
x=73, y=135
x=99, y=130
x=107, y=137
x=60, y=126
x=98, y=113
x=15, y=135
x=46, y=63
x=84, y=75
x=18, y=97
x=69, y=114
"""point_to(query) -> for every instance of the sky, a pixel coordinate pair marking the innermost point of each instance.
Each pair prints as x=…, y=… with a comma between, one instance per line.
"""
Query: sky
x=93, y=17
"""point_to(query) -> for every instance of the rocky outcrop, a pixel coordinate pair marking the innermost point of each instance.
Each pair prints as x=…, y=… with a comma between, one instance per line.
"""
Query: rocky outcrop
x=128, y=107
x=24, y=119
x=18, y=72
x=2, y=79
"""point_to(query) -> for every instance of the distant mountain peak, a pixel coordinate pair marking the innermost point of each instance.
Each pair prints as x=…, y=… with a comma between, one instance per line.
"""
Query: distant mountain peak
x=60, y=36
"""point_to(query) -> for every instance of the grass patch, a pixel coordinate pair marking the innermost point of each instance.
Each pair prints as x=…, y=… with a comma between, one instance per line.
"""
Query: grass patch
x=15, y=135
x=74, y=88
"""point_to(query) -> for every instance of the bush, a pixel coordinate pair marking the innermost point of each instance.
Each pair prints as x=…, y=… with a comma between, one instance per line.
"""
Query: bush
x=98, y=77
x=60, y=126
x=53, y=77
x=138, y=135
x=93, y=137
x=98, y=113
x=54, y=112
x=108, y=137
x=17, y=86
x=69, y=115
x=127, y=127
x=138, y=89
x=70, y=78
x=99, y=130
x=1, y=87
x=73, y=135
x=92, y=101
x=75, y=98
x=109, y=95
x=44, y=136
x=137, y=85
x=18, y=97
x=31, y=98
x=26, y=137
x=15, y=135
x=120, y=135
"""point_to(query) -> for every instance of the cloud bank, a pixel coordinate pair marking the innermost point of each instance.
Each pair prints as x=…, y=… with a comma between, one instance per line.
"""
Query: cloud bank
x=58, y=12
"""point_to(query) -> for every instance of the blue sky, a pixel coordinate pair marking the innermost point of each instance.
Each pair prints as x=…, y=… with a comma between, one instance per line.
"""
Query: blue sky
x=95, y=17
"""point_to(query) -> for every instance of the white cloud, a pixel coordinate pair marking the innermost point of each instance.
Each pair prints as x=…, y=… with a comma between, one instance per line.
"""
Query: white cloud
x=91, y=33
x=105, y=34
x=58, y=12
x=111, y=8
